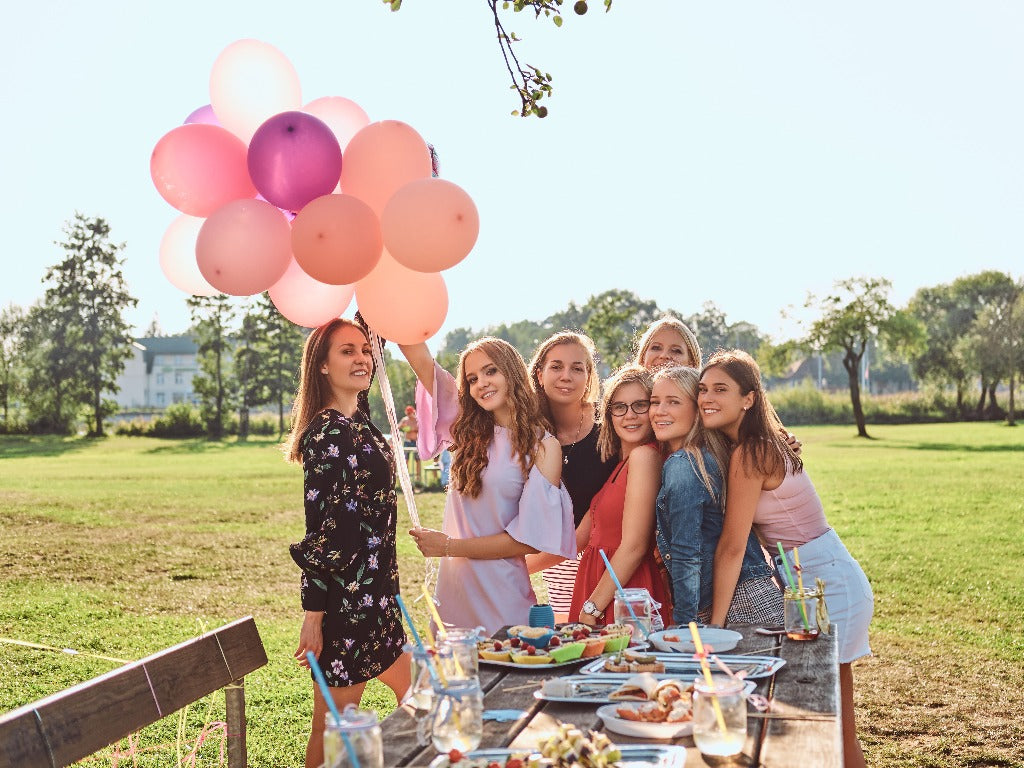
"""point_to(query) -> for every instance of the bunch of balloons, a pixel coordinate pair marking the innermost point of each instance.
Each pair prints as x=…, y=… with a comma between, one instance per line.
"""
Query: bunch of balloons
x=312, y=203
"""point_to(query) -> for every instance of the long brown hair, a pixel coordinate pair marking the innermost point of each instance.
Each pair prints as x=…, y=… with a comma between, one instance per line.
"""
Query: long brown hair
x=314, y=391
x=592, y=391
x=473, y=429
x=608, y=442
x=677, y=325
x=686, y=380
x=761, y=430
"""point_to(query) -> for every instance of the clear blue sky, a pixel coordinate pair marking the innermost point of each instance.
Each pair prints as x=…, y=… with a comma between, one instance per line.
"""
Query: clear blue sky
x=743, y=153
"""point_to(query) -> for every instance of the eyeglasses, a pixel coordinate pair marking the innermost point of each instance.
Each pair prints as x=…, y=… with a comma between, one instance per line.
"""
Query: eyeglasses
x=637, y=406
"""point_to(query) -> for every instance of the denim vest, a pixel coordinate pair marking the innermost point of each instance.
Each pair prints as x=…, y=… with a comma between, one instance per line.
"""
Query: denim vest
x=690, y=524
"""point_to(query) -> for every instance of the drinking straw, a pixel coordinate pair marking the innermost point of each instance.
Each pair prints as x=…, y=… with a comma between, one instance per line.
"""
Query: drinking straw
x=703, y=658
x=326, y=692
x=622, y=594
x=789, y=575
x=440, y=629
x=416, y=638
x=800, y=583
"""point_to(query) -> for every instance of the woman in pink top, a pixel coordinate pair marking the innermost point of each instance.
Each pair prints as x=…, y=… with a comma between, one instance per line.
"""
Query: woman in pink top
x=505, y=499
x=767, y=488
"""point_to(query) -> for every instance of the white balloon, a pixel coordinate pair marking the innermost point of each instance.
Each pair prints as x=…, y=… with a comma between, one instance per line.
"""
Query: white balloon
x=308, y=302
x=178, y=256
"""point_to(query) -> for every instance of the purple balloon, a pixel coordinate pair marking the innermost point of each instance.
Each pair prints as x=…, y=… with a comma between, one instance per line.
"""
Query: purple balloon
x=203, y=115
x=294, y=158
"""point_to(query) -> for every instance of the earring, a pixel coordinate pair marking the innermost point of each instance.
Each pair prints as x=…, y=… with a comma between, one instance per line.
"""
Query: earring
x=324, y=370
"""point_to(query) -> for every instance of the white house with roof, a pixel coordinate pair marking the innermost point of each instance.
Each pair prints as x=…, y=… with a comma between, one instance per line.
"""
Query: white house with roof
x=159, y=373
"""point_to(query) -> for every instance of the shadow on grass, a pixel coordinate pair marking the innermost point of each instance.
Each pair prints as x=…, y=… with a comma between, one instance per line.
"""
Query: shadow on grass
x=26, y=446
x=204, y=445
x=1004, y=448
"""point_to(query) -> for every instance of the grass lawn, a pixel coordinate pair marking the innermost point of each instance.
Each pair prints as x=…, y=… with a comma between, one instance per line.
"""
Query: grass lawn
x=121, y=547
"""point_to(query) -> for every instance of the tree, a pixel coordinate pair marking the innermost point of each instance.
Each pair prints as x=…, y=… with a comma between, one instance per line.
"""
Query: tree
x=993, y=346
x=12, y=318
x=281, y=349
x=251, y=388
x=529, y=82
x=211, y=318
x=714, y=332
x=613, y=320
x=858, y=311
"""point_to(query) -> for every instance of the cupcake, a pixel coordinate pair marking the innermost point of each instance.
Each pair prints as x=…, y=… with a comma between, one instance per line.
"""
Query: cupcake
x=566, y=651
x=593, y=646
x=530, y=655
x=494, y=650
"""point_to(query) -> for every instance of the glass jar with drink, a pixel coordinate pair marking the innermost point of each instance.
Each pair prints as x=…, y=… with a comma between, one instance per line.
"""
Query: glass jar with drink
x=801, y=613
x=719, y=716
x=457, y=719
x=635, y=602
x=359, y=727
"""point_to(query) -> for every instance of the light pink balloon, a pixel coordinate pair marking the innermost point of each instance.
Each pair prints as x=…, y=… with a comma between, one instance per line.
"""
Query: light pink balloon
x=344, y=116
x=244, y=247
x=178, y=257
x=308, y=302
x=402, y=305
x=336, y=239
x=197, y=168
x=382, y=158
x=429, y=225
x=250, y=81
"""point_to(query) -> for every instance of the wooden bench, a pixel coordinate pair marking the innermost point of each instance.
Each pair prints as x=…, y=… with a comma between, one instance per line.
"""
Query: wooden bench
x=67, y=726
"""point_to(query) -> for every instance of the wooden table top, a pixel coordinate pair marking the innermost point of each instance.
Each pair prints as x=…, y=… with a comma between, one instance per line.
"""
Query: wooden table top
x=803, y=719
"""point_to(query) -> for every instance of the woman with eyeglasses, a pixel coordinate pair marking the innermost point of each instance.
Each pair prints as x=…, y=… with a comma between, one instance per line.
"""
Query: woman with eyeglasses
x=621, y=516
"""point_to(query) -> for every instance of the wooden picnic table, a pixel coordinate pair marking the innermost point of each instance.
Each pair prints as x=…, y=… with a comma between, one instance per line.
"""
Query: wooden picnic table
x=803, y=720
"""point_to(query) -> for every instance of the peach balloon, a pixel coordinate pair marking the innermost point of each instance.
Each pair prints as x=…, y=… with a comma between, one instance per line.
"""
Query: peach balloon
x=251, y=81
x=308, y=302
x=178, y=257
x=344, y=116
x=382, y=158
x=197, y=168
x=244, y=247
x=402, y=305
x=336, y=239
x=429, y=225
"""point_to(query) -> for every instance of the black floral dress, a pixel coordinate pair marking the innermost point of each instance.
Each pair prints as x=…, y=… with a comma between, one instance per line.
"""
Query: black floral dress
x=348, y=557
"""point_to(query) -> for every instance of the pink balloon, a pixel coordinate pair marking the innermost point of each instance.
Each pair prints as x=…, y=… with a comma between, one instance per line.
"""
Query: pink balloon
x=251, y=81
x=402, y=305
x=429, y=225
x=308, y=302
x=344, y=116
x=336, y=239
x=178, y=257
x=293, y=158
x=244, y=247
x=382, y=158
x=203, y=115
x=198, y=168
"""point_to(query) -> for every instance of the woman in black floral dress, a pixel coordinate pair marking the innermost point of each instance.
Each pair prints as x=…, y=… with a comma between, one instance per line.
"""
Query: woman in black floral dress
x=348, y=557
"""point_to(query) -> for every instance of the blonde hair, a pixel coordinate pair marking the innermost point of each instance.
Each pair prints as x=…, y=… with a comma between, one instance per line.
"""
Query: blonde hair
x=473, y=429
x=686, y=380
x=314, y=390
x=677, y=325
x=761, y=428
x=592, y=391
x=608, y=442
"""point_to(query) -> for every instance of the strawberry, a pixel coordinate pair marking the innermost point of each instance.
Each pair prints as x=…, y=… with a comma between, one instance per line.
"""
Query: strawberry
x=515, y=762
x=555, y=641
x=531, y=651
x=493, y=764
x=497, y=645
x=454, y=756
x=515, y=642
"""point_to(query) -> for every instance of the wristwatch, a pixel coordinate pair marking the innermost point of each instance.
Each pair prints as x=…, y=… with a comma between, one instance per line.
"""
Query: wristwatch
x=590, y=609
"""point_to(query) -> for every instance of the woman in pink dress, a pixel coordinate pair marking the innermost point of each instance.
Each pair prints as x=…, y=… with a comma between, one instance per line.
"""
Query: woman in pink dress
x=505, y=498
x=621, y=516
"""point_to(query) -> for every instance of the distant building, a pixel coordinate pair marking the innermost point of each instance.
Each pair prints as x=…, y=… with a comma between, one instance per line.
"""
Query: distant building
x=159, y=373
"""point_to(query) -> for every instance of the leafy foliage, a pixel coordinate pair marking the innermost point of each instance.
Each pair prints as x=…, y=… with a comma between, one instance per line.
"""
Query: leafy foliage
x=211, y=318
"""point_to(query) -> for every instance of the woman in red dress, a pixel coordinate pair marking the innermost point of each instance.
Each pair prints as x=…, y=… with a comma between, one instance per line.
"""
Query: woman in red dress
x=621, y=517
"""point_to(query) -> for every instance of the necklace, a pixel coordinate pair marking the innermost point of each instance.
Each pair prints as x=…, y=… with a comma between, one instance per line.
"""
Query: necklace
x=565, y=459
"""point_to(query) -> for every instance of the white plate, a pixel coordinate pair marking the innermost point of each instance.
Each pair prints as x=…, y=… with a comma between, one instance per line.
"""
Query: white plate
x=717, y=640
x=594, y=689
x=633, y=756
x=616, y=724
x=683, y=665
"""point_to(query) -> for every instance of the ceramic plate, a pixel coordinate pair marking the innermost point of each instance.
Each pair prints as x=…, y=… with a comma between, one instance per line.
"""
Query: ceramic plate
x=594, y=689
x=679, y=640
x=633, y=756
x=684, y=666
x=616, y=724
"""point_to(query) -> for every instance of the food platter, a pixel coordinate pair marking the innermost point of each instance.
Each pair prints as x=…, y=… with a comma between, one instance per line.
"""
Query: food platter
x=616, y=724
x=595, y=689
x=680, y=641
x=683, y=665
x=633, y=756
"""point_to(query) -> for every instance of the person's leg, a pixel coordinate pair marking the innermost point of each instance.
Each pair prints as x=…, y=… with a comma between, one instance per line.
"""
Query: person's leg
x=853, y=757
x=398, y=677
x=350, y=694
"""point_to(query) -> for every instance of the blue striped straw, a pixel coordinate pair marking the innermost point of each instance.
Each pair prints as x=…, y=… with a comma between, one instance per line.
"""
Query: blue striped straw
x=622, y=594
x=322, y=682
x=415, y=635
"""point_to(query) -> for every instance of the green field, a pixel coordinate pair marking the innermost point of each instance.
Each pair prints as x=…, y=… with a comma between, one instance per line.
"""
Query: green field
x=124, y=546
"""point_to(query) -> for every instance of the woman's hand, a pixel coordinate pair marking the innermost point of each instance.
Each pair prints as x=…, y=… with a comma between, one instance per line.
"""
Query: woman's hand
x=586, y=618
x=791, y=441
x=430, y=542
x=311, y=637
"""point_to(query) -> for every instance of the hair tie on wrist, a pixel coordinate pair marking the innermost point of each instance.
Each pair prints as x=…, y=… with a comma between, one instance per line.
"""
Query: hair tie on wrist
x=447, y=544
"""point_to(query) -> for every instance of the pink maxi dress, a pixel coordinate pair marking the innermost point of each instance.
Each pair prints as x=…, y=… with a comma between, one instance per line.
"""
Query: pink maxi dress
x=491, y=593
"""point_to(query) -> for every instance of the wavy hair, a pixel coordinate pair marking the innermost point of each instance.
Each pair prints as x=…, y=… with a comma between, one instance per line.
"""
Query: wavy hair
x=608, y=442
x=592, y=391
x=761, y=429
x=677, y=325
x=686, y=380
x=473, y=429
x=314, y=391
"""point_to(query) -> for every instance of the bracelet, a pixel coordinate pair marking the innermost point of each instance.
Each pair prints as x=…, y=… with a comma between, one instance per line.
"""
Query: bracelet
x=447, y=544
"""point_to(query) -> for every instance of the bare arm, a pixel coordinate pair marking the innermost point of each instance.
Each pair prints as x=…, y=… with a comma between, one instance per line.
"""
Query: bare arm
x=743, y=492
x=549, y=459
x=422, y=363
x=494, y=547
